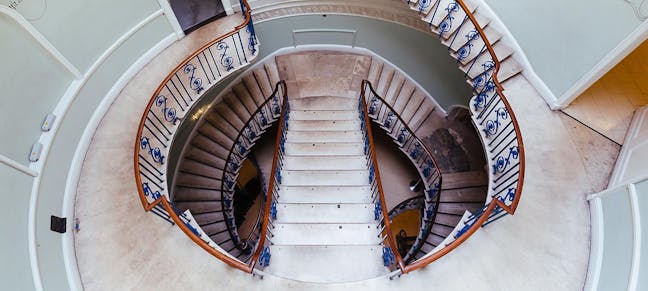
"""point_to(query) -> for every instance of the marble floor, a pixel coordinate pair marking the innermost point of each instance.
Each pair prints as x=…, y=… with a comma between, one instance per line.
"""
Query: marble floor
x=544, y=245
x=609, y=104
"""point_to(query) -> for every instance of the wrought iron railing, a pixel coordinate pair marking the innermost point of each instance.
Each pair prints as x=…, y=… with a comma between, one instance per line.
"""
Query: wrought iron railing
x=492, y=115
x=391, y=257
x=383, y=114
x=170, y=103
x=262, y=250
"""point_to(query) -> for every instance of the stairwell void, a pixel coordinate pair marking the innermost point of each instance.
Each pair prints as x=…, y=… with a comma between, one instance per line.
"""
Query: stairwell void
x=324, y=207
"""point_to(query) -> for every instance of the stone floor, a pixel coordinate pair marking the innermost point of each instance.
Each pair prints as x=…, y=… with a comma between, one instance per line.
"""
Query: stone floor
x=545, y=245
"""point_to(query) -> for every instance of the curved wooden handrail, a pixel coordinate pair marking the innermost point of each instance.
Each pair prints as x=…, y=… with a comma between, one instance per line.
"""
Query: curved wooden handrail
x=271, y=183
x=494, y=202
x=425, y=148
x=372, y=149
x=233, y=148
x=162, y=200
x=368, y=84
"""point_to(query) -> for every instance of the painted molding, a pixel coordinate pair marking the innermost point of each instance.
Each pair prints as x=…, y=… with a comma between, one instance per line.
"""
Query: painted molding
x=41, y=39
x=623, y=49
x=392, y=11
x=69, y=255
x=18, y=166
x=631, y=143
x=596, y=246
x=519, y=55
x=47, y=139
x=636, y=243
x=353, y=33
x=171, y=17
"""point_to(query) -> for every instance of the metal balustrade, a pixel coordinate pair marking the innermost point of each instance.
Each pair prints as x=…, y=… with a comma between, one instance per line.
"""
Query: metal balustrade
x=171, y=102
x=261, y=256
x=383, y=114
x=390, y=258
x=492, y=115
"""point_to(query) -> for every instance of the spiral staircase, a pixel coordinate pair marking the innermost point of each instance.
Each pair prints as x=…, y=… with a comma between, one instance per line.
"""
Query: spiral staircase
x=324, y=201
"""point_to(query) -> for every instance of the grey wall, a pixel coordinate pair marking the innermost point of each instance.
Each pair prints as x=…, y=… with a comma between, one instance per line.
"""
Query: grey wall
x=420, y=55
x=563, y=40
x=33, y=83
x=15, y=271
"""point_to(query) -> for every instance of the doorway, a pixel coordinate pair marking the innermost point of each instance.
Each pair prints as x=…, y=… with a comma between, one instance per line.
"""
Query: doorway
x=192, y=14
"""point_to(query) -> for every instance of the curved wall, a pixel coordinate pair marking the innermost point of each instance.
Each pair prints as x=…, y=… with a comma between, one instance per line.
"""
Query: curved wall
x=418, y=54
x=70, y=60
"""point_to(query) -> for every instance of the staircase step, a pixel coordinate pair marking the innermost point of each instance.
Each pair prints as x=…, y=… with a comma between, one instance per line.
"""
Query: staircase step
x=192, y=194
x=209, y=218
x=447, y=219
x=325, y=194
x=327, y=264
x=325, y=178
x=508, y=69
x=324, y=149
x=323, y=115
x=324, y=213
x=473, y=194
x=325, y=234
x=460, y=37
x=328, y=125
x=464, y=180
x=198, y=154
x=314, y=162
x=324, y=103
x=324, y=136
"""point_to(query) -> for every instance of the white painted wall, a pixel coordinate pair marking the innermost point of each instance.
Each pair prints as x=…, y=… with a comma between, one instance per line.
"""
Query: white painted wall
x=67, y=58
x=566, y=40
x=32, y=81
x=631, y=164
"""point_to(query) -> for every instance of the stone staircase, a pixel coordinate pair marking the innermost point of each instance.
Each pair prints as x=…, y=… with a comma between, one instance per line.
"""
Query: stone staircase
x=448, y=20
x=325, y=212
x=198, y=182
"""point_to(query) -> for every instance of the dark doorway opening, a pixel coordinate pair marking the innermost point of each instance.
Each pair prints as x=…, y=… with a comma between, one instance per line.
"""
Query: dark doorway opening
x=192, y=14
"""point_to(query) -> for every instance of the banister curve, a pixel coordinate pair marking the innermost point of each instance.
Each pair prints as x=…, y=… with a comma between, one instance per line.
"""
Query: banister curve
x=495, y=202
x=372, y=154
x=160, y=198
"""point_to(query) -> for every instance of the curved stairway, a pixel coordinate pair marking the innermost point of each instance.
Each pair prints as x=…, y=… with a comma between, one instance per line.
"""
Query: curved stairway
x=198, y=182
x=325, y=211
x=324, y=199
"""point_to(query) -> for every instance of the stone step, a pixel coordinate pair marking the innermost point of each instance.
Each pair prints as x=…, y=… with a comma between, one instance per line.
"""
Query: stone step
x=324, y=149
x=323, y=114
x=329, y=162
x=327, y=264
x=326, y=234
x=464, y=179
x=325, y=178
x=325, y=194
x=327, y=125
x=324, y=103
x=324, y=213
x=324, y=136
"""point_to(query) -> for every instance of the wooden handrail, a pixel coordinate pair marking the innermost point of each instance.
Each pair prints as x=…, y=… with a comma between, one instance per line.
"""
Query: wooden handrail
x=494, y=202
x=367, y=83
x=273, y=172
x=425, y=148
x=372, y=150
x=233, y=148
x=162, y=200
